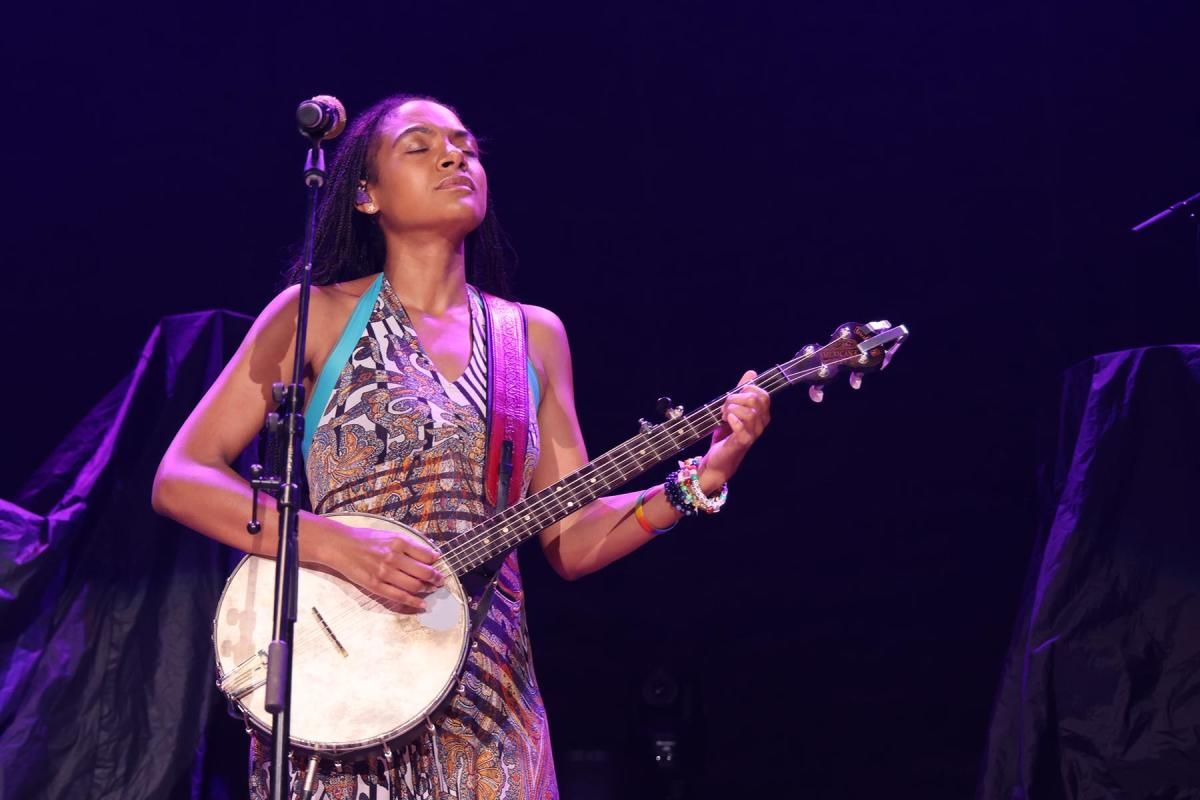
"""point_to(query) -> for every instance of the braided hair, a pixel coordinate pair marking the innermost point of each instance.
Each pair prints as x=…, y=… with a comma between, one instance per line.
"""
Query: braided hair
x=349, y=244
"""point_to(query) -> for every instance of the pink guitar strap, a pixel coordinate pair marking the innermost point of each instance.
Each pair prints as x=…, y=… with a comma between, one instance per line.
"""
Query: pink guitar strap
x=507, y=400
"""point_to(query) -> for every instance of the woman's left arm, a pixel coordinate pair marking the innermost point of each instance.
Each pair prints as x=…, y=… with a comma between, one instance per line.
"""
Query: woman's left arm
x=606, y=529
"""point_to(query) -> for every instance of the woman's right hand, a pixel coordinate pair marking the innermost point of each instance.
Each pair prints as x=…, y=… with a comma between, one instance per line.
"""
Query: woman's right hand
x=395, y=565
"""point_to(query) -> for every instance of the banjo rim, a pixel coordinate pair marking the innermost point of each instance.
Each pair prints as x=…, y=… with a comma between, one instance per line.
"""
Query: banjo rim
x=387, y=738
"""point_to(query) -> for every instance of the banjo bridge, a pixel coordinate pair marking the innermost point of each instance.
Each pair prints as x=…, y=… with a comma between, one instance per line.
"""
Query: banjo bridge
x=329, y=632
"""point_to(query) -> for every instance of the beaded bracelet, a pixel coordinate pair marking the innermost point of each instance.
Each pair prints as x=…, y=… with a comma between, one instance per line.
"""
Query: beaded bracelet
x=639, y=513
x=685, y=495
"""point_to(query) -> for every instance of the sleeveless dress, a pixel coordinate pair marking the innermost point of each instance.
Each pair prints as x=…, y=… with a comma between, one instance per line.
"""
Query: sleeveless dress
x=389, y=435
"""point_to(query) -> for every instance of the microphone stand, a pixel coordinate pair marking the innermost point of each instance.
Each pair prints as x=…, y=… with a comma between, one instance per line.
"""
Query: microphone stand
x=288, y=420
x=1190, y=207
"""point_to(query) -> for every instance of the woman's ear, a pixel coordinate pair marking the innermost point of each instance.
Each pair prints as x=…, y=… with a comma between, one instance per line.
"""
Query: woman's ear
x=363, y=200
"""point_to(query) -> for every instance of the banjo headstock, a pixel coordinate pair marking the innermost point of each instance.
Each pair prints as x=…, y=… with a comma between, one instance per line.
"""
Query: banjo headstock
x=855, y=348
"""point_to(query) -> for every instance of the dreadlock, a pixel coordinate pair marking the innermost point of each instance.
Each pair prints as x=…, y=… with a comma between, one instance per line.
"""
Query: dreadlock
x=349, y=244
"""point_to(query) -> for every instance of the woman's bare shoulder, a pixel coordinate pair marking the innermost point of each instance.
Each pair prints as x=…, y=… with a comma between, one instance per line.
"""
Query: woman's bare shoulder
x=547, y=341
x=329, y=310
x=543, y=322
x=350, y=290
x=330, y=295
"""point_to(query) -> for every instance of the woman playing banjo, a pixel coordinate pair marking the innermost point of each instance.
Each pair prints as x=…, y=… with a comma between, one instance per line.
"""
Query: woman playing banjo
x=396, y=426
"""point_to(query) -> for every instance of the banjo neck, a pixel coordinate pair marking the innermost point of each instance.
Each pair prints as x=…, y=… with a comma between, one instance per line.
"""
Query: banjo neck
x=856, y=348
x=535, y=512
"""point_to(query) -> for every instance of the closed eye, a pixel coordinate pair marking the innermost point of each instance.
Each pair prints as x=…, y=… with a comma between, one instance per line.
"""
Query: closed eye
x=471, y=153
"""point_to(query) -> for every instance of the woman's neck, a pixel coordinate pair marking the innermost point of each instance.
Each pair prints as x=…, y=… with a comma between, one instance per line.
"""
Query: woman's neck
x=428, y=274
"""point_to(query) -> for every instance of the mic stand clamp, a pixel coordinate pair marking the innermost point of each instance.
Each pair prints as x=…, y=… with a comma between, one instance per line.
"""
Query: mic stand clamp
x=258, y=483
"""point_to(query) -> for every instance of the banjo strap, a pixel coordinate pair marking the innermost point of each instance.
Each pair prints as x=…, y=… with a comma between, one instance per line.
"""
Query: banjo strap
x=485, y=604
x=507, y=419
x=507, y=401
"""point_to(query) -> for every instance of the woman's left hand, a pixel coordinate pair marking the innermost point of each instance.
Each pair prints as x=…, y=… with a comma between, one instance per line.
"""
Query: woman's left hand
x=744, y=416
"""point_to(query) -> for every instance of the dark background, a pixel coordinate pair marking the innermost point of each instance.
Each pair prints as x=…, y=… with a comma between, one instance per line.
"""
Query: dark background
x=696, y=189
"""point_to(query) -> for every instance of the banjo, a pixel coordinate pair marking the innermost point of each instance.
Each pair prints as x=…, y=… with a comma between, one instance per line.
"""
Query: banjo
x=343, y=634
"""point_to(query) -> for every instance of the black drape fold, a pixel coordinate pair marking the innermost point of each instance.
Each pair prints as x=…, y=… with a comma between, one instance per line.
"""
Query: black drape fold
x=106, y=607
x=1100, y=693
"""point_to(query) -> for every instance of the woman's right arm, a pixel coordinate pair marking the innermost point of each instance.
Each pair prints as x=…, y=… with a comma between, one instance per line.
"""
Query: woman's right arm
x=196, y=486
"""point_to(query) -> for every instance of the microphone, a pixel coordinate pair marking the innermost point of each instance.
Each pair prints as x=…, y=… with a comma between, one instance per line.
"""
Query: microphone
x=321, y=117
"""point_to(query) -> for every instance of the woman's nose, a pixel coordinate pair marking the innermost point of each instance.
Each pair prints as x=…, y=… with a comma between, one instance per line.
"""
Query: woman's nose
x=453, y=158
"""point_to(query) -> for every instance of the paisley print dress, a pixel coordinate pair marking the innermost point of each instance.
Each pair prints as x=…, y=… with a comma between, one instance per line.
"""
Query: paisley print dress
x=394, y=437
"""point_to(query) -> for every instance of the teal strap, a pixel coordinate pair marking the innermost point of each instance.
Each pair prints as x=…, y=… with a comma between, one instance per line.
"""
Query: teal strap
x=535, y=385
x=327, y=380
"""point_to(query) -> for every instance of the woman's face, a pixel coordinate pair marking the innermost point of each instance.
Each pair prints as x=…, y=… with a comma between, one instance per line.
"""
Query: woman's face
x=427, y=174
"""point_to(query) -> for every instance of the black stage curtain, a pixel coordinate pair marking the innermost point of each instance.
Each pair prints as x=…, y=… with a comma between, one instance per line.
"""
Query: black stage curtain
x=1100, y=695
x=106, y=655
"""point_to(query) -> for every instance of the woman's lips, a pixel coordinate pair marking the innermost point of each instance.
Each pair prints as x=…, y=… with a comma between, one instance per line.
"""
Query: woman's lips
x=457, y=182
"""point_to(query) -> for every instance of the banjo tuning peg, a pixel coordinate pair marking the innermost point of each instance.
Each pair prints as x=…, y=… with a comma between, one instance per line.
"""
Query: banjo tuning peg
x=666, y=407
